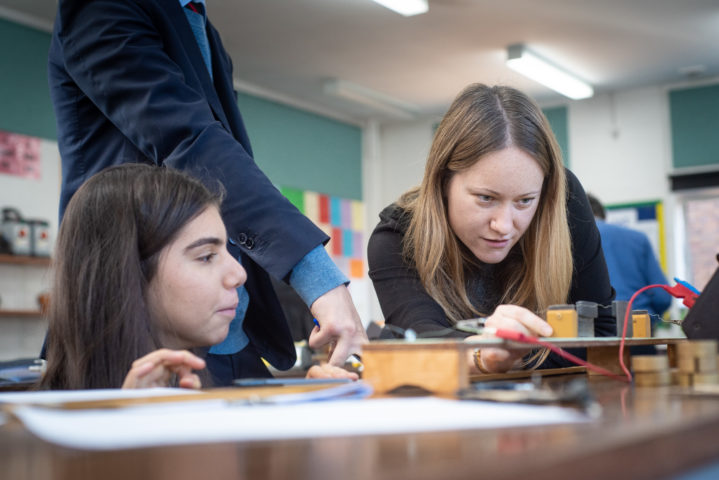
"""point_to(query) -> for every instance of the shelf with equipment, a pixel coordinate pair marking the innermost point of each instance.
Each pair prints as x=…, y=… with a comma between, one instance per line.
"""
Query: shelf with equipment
x=20, y=313
x=24, y=260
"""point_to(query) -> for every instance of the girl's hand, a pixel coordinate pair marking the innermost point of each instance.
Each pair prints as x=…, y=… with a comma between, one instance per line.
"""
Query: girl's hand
x=157, y=368
x=330, y=371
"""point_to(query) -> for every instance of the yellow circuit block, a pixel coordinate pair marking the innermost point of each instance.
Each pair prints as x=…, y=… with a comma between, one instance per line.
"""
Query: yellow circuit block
x=641, y=325
x=563, y=319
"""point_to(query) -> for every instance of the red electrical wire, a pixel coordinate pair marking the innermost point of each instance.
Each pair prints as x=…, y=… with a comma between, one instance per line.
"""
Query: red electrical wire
x=678, y=291
x=522, y=338
x=626, y=321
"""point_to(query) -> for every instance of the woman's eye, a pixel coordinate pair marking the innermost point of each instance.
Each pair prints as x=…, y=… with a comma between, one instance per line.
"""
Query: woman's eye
x=484, y=198
x=525, y=202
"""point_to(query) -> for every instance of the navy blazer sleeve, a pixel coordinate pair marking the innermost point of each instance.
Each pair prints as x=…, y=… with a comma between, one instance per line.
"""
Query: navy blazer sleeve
x=128, y=84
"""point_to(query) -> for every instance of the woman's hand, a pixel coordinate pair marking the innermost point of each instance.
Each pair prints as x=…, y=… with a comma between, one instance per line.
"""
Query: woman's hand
x=157, y=368
x=509, y=317
x=330, y=371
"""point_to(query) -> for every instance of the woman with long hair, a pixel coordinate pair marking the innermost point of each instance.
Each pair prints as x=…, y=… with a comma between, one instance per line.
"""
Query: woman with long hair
x=142, y=282
x=497, y=228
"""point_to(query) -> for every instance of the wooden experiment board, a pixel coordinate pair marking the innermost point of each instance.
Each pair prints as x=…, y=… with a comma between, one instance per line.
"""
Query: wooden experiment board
x=441, y=366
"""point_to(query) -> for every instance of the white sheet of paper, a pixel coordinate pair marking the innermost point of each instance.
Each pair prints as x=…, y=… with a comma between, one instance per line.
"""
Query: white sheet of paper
x=51, y=397
x=220, y=421
x=60, y=396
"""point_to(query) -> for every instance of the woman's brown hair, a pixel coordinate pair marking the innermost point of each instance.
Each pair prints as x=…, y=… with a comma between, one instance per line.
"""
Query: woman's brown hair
x=107, y=252
x=537, y=273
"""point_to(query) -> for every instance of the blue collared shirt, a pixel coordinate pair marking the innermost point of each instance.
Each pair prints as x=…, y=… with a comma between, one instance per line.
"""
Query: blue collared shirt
x=185, y=2
x=632, y=265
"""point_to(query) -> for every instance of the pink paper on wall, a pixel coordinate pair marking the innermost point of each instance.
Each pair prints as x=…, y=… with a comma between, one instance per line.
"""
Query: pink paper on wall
x=20, y=155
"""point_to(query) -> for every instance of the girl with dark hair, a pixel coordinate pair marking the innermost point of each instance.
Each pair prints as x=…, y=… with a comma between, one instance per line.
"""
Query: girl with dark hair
x=497, y=228
x=142, y=276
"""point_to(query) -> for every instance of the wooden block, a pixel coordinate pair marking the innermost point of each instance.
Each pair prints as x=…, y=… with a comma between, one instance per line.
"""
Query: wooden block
x=650, y=363
x=563, y=319
x=437, y=367
x=697, y=348
x=608, y=358
x=706, y=378
x=697, y=357
x=696, y=365
x=653, y=379
x=641, y=324
x=672, y=355
x=705, y=364
x=685, y=379
x=685, y=364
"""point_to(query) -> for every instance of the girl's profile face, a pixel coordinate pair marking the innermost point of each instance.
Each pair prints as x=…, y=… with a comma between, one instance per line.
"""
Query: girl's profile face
x=193, y=296
x=492, y=203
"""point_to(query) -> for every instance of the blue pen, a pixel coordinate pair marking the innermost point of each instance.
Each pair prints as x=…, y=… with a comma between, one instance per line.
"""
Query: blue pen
x=353, y=359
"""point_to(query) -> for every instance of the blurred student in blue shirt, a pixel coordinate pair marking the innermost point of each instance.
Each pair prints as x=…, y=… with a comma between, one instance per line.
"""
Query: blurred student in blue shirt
x=632, y=264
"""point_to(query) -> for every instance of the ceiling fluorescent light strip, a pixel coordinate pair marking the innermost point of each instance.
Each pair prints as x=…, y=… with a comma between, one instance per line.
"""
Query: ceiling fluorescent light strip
x=370, y=98
x=405, y=7
x=536, y=68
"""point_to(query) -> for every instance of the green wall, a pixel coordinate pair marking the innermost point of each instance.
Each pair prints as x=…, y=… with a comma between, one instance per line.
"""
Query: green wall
x=559, y=122
x=299, y=149
x=293, y=147
x=24, y=95
x=694, y=116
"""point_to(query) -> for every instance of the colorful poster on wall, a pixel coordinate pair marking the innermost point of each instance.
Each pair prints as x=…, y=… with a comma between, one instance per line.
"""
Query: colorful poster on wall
x=343, y=220
x=20, y=155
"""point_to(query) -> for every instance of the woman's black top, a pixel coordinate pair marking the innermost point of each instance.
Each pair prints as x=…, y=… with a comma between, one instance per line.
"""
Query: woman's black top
x=406, y=304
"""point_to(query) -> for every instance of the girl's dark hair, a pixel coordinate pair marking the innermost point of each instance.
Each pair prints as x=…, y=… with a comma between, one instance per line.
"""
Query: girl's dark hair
x=107, y=252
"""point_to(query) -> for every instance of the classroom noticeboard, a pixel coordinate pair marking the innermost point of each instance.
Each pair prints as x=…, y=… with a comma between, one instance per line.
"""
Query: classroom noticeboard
x=647, y=217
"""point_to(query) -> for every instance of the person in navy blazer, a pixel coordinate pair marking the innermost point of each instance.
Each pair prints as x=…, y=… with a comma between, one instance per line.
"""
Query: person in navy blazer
x=129, y=84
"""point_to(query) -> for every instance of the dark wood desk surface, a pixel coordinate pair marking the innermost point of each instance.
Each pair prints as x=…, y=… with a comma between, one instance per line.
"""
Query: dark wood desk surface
x=642, y=433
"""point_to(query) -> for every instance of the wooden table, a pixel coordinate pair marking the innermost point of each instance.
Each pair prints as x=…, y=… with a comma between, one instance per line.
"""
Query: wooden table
x=642, y=433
